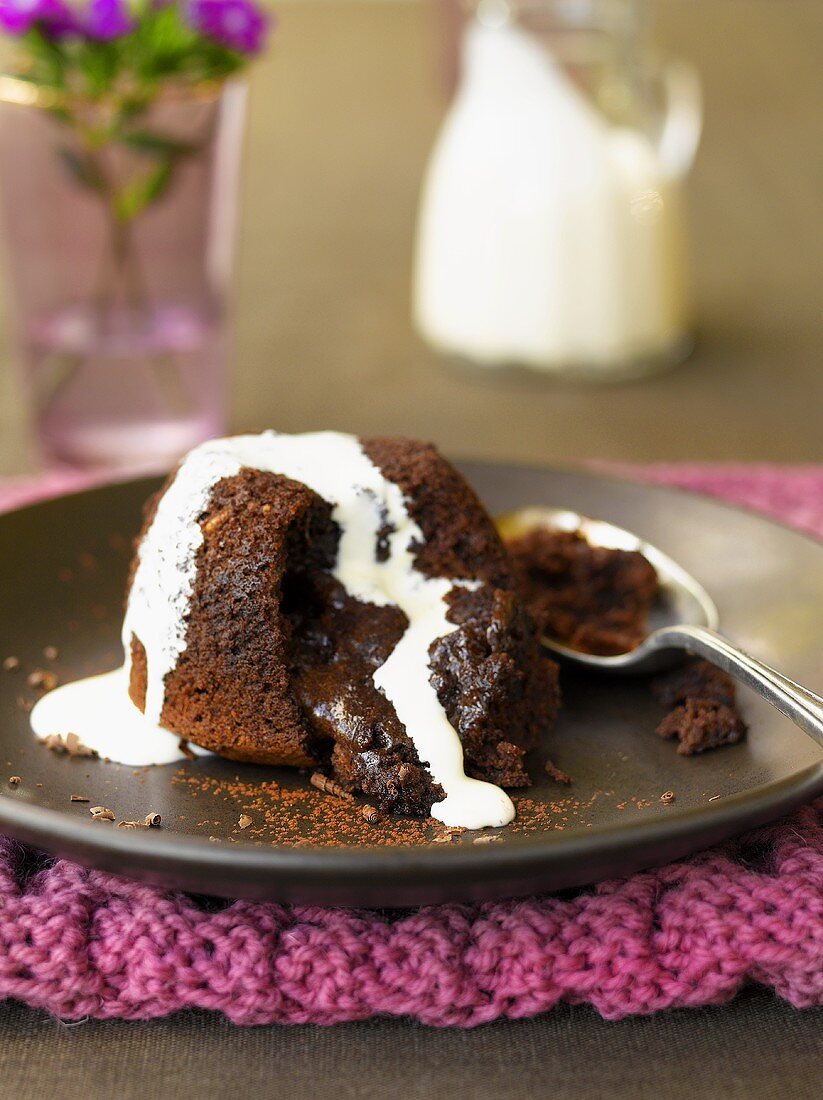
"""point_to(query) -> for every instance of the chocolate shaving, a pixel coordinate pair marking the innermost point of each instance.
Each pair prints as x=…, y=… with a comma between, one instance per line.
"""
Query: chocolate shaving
x=102, y=813
x=329, y=786
x=78, y=798
x=370, y=814
x=557, y=774
x=244, y=821
x=667, y=796
x=42, y=678
x=14, y=780
x=129, y=824
x=71, y=745
x=11, y=664
x=487, y=838
x=152, y=820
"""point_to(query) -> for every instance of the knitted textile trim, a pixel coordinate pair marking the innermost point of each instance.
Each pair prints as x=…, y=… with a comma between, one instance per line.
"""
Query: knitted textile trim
x=82, y=943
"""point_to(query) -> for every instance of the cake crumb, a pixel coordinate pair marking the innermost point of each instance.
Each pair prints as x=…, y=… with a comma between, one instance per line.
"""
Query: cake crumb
x=700, y=724
x=487, y=838
x=14, y=780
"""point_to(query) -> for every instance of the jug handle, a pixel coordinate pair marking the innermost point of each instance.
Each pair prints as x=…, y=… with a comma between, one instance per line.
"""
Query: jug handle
x=683, y=118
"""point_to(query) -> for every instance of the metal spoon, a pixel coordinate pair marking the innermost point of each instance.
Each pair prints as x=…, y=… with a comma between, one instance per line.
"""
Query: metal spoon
x=683, y=620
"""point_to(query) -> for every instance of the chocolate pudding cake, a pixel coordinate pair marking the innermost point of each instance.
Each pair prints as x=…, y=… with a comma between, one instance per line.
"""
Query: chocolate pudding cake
x=346, y=605
x=324, y=600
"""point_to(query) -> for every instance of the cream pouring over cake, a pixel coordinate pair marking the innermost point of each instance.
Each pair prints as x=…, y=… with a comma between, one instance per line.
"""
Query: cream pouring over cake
x=324, y=600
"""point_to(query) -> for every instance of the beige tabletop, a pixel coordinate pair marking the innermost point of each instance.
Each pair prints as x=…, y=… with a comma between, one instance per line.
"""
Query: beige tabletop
x=343, y=113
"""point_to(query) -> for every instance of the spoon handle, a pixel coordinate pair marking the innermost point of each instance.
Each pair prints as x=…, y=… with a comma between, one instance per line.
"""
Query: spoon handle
x=798, y=703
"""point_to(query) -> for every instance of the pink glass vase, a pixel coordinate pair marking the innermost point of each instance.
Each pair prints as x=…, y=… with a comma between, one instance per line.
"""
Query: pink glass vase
x=118, y=258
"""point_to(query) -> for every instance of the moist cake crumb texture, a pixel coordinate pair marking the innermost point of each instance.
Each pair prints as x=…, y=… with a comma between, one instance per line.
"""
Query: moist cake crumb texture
x=587, y=597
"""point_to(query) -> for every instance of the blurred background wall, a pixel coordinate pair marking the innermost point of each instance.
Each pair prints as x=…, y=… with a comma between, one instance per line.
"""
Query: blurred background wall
x=344, y=110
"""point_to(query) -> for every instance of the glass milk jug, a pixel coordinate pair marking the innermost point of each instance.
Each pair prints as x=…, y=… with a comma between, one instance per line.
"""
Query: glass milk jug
x=550, y=231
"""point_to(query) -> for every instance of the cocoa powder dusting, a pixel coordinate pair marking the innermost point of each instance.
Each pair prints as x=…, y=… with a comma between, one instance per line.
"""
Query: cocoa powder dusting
x=269, y=813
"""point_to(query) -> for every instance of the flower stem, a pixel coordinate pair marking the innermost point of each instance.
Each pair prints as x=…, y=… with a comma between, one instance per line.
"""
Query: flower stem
x=120, y=281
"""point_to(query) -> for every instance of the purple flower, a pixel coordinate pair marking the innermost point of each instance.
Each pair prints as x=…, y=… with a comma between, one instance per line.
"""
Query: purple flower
x=239, y=25
x=107, y=19
x=102, y=20
x=19, y=16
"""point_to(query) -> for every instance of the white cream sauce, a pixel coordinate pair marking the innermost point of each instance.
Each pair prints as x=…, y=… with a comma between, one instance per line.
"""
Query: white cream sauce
x=99, y=710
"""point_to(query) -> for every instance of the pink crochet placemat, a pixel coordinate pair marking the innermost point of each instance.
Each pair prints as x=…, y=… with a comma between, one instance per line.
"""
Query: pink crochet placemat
x=82, y=943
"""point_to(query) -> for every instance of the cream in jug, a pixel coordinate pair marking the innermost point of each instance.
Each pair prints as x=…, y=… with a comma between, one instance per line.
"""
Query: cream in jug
x=548, y=235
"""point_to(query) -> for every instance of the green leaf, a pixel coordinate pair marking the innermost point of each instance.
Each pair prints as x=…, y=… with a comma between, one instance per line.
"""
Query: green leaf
x=156, y=144
x=60, y=114
x=135, y=197
x=132, y=107
x=82, y=168
x=49, y=60
x=99, y=64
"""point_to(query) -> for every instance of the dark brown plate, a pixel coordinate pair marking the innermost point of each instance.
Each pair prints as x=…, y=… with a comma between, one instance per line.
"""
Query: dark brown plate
x=64, y=567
